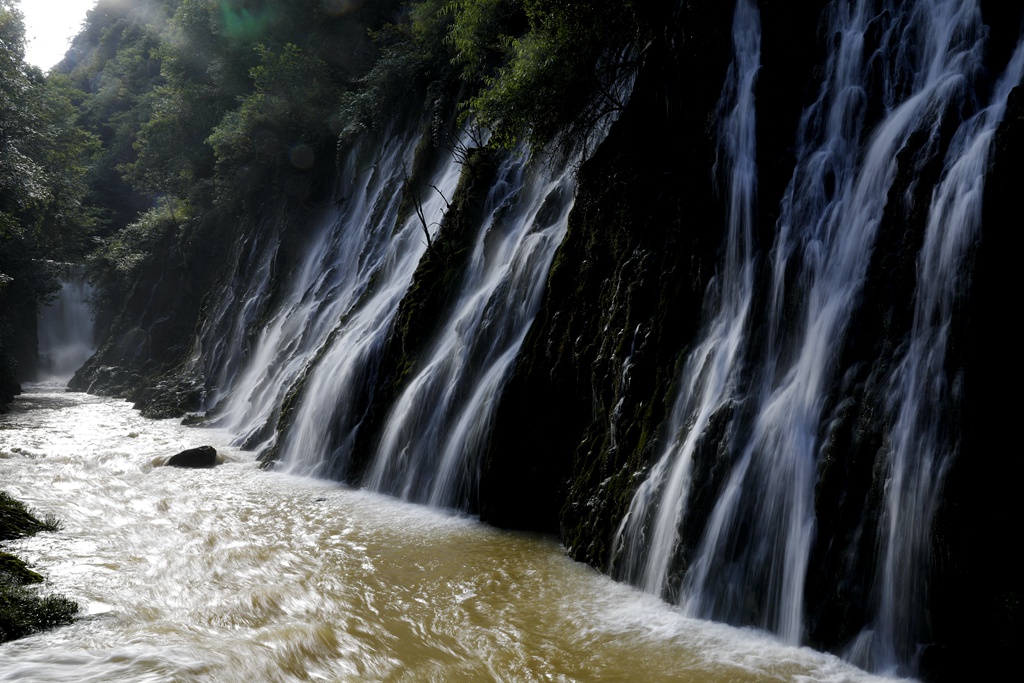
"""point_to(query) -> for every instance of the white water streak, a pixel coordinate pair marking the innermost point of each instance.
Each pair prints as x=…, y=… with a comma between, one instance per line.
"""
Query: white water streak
x=353, y=243
x=647, y=545
x=919, y=59
x=438, y=427
x=832, y=232
x=319, y=439
x=276, y=322
x=920, y=444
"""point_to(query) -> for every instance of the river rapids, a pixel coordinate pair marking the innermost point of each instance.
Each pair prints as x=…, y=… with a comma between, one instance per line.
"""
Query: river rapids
x=238, y=574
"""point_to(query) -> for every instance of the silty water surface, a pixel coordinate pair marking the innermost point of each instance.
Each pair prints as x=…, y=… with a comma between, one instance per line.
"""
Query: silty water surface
x=237, y=574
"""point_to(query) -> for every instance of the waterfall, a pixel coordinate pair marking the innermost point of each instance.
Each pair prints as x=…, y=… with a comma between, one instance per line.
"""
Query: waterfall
x=319, y=439
x=650, y=528
x=290, y=356
x=752, y=560
x=455, y=327
x=66, y=330
x=921, y=390
x=323, y=319
x=439, y=424
x=893, y=71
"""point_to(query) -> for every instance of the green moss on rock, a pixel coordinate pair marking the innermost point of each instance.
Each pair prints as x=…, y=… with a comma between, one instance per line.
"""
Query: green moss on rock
x=16, y=520
x=23, y=610
x=15, y=570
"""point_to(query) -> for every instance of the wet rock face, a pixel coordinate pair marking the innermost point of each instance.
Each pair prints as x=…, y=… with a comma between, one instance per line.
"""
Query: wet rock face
x=579, y=419
x=194, y=458
x=623, y=297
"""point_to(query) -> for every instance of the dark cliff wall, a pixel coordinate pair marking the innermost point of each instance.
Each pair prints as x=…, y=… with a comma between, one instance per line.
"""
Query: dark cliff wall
x=591, y=385
x=18, y=343
x=978, y=605
x=597, y=373
x=151, y=327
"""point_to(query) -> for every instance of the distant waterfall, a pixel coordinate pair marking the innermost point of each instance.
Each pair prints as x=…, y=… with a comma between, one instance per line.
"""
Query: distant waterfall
x=66, y=338
x=893, y=70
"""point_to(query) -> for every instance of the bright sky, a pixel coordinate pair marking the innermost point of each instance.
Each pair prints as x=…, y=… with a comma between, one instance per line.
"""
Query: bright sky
x=49, y=27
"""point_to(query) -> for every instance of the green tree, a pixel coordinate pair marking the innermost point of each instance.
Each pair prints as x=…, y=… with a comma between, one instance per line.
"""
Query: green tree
x=561, y=74
x=114, y=62
x=525, y=70
x=44, y=216
x=283, y=123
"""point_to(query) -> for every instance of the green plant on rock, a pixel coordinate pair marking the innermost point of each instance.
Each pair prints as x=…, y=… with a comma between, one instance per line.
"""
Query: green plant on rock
x=14, y=570
x=561, y=74
x=16, y=520
x=121, y=258
x=525, y=70
x=24, y=611
x=415, y=63
x=480, y=33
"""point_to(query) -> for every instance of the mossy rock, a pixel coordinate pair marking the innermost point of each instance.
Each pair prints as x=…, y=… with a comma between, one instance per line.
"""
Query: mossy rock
x=16, y=571
x=16, y=520
x=24, y=612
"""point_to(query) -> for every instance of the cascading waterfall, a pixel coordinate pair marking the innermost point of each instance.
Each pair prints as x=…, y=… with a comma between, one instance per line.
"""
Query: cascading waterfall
x=66, y=337
x=220, y=349
x=327, y=304
x=797, y=482
x=921, y=390
x=302, y=386
x=893, y=70
x=439, y=424
x=319, y=439
x=648, y=533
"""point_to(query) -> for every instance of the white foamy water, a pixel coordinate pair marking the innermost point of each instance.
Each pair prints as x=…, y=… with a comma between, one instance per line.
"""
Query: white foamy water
x=236, y=574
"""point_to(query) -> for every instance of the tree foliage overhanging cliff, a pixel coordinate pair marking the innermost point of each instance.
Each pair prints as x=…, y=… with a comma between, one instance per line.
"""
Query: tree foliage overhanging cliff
x=531, y=70
x=212, y=101
x=250, y=98
x=168, y=121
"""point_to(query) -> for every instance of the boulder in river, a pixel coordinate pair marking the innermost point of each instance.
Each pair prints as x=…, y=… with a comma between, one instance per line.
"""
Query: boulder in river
x=203, y=456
